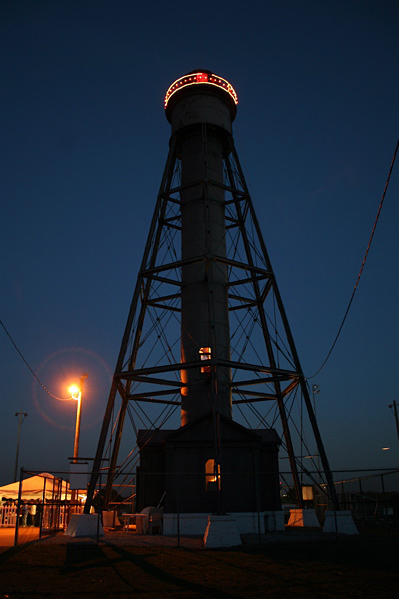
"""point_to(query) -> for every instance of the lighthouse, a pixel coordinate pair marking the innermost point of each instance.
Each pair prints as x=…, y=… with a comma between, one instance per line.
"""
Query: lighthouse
x=206, y=338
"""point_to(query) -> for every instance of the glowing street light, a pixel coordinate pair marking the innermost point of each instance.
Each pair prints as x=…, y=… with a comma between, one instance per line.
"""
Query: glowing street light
x=76, y=394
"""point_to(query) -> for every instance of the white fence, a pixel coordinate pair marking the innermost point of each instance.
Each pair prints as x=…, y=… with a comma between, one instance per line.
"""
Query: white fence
x=54, y=516
x=8, y=516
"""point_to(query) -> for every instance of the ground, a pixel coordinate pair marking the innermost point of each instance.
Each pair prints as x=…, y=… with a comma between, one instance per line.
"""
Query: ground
x=295, y=565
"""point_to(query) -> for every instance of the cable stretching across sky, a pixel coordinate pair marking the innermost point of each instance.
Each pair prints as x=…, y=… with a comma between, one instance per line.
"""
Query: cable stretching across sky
x=363, y=264
x=31, y=369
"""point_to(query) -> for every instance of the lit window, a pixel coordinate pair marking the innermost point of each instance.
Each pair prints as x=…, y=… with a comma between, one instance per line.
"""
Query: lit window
x=205, y=354
x=212, y=476
x=307, y=493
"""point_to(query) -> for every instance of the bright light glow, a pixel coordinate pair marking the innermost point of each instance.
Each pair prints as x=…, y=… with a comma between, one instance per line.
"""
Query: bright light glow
x=200, y=78
x=74, y=391
x=385, y=448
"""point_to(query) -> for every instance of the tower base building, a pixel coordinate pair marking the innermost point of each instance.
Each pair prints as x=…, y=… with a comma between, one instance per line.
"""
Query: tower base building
x=178, y=468
x=178, y=471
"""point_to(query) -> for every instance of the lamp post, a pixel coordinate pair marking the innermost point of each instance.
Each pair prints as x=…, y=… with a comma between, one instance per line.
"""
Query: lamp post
x=76, y=394
x=316, y=391
x=394, y=406
x=21, y=417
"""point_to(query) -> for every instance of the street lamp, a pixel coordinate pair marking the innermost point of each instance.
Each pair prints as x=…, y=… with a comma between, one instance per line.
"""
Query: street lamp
x=76, y=394
x=21, y=417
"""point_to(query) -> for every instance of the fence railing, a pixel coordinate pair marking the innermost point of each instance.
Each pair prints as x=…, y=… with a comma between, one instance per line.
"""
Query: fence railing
x=371, y=496
x=8, y=516
x=45, y=502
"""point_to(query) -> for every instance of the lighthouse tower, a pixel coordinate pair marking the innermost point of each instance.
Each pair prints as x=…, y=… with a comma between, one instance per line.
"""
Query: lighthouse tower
x=201, y=108
x=208, y=372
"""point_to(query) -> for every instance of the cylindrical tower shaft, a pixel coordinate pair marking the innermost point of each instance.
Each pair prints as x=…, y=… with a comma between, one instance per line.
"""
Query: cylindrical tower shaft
x=204, y=321
x=201, y=119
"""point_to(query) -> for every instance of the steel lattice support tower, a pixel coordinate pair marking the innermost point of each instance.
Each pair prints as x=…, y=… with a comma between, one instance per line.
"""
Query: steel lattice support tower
x=207, y=330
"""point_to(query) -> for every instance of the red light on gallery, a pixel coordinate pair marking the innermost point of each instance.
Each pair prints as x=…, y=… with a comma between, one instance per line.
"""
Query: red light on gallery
x=200, y=79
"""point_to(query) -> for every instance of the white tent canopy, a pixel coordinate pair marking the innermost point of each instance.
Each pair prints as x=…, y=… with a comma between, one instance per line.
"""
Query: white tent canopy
x=34, y=487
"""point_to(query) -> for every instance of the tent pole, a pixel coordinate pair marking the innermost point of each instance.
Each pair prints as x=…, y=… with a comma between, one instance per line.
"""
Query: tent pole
x=18, y=507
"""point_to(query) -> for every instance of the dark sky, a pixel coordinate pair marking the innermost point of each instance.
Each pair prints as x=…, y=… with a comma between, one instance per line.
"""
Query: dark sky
x=83, y=145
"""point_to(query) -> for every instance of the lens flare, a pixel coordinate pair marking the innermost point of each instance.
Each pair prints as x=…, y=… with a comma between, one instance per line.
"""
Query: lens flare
x=58, y=371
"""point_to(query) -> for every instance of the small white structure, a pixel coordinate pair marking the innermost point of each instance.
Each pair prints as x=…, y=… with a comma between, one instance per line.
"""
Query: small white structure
x=35, y=487
x=110, y=519
x=247, y=522
x=221, y=531
x=185, y=524
x=340, y=522
x=84, y=525
x=305, y=518
x=273, y=521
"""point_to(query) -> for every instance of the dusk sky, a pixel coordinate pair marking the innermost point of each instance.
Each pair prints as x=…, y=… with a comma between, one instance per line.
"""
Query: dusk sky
x=84, y=141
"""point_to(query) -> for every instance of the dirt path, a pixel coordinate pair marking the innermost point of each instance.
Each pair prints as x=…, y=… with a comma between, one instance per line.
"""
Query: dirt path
x=324, y=568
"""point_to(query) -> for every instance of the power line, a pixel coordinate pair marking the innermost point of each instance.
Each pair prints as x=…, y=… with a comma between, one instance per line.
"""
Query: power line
x=26, y=364
x=363, y=263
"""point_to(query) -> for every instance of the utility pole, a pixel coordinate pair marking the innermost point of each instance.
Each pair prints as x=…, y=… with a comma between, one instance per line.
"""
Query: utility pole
x=315, y=391
x=21, y=417
x=394, y=406
x=77, y=393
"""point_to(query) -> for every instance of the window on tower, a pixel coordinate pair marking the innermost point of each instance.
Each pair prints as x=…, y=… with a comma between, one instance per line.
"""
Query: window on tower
x=205, y=354
x=212, y=476
x=307, y=493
